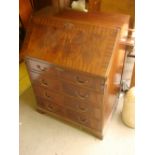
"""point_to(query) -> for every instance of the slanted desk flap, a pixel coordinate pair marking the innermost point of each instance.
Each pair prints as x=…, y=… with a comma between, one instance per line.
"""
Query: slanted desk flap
x=77, y=45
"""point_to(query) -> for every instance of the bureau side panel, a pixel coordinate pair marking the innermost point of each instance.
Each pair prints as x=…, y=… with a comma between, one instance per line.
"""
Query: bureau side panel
x=113, y=83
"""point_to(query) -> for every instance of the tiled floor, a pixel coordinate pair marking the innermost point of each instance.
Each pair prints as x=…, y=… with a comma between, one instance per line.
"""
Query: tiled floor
x=44, y=135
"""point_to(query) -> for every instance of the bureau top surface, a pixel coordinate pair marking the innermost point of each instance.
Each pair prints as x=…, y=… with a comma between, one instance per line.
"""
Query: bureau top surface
x=113, y=19
x=75, y=44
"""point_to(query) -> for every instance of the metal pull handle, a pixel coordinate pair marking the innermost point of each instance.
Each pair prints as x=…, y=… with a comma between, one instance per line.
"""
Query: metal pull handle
x=83, y=109
x=81, y=81
x=46, y=95
x=82, y=96
x=44, y=83
x=83, y=120
x=51, y=107
x=41, y=68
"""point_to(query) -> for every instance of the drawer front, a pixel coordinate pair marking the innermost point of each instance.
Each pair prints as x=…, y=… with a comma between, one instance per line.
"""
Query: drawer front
x=76, y=78
x=87, y=108
x=48, y=95
x=44, y=81
x=81, y=93
x=51, y=106
x=72, y=102
x=83, y=107
x=69, y=114
x=83, y=119
x=41, y=67
x=83, y=80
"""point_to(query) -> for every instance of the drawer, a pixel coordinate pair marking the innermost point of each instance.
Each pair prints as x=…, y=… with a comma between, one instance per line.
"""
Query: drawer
x=83, y=80
x=42, y=67
x=76, y=78
x=51, y=106
x=83, y=119
x=82, y=93
x=83, y=107
x=45, y=81
x=71, y=101
x=48, y=95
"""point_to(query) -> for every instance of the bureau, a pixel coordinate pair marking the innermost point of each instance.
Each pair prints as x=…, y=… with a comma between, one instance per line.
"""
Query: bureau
x=75, y=63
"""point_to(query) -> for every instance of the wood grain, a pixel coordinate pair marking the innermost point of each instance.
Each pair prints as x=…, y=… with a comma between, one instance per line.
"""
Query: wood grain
x=25, y=11
x=75, y=61
x=61, y=41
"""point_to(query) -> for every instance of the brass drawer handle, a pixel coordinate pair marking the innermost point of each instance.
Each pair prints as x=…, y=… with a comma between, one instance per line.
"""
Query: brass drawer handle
x=83, y=109
x=81, y=81
x=44, y=83
x=46, y=95
x=83, y=120
x=51, y=107
x=41, y=68
x=82, y=96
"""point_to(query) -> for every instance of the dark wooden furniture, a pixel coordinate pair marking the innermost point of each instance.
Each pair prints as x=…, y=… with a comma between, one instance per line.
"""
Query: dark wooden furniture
x=75, y=63
x=119, y=6
x=94, y=5
x=25, y=11
x=28, y=7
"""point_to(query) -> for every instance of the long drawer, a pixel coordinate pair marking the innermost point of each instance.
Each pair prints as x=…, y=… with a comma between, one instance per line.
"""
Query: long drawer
x=75, y=77
x=83, y=80
x=87, y=108
x=82, y=93
x=80, y=118
x=83, y=107
x=66, y=88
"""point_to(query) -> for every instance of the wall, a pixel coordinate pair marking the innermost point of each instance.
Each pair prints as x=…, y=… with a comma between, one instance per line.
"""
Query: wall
x=120, y=6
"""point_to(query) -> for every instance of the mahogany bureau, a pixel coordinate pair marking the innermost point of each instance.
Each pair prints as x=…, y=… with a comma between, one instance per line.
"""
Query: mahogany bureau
x=75, y=65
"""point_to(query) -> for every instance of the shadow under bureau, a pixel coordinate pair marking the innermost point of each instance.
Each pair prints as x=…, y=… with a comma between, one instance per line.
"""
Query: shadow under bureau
x=75, y=64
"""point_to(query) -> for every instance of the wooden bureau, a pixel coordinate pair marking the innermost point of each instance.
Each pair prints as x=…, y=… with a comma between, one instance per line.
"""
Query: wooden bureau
x=75, y=65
